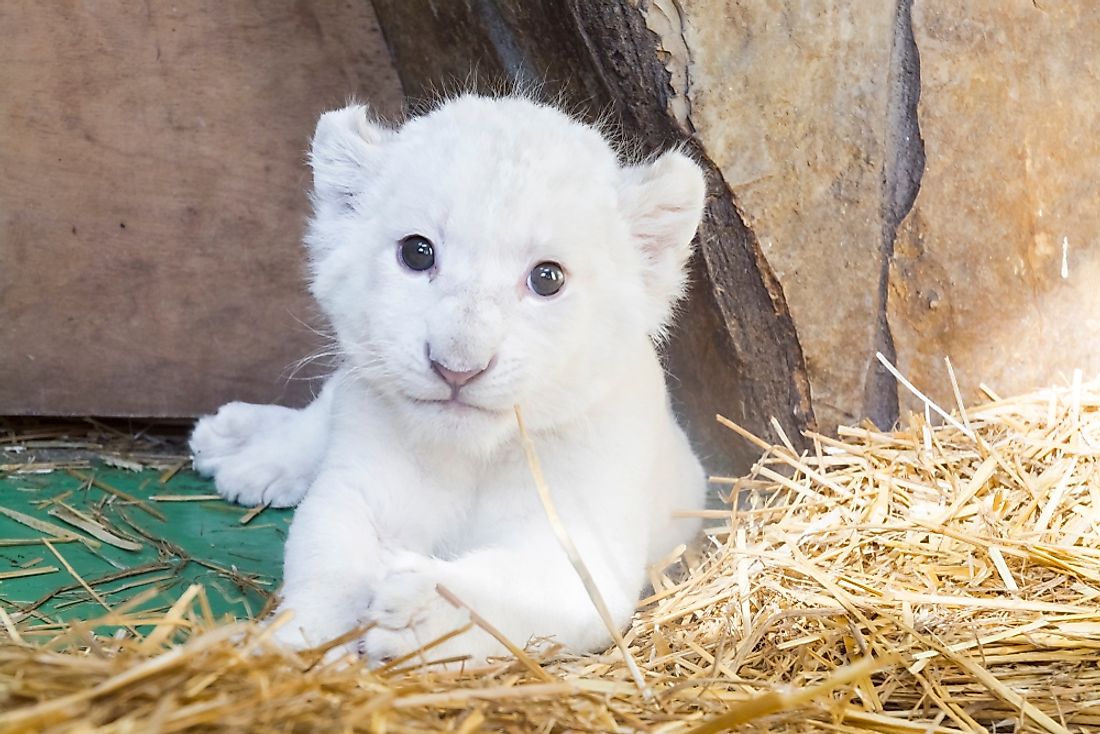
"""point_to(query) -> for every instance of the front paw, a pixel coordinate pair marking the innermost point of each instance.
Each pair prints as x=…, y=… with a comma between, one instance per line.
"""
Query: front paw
x=406, y=594
x=407, y=613
x=254, y=455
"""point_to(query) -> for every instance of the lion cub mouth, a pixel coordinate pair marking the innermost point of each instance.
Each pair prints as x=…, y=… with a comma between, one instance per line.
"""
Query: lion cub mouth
x=455, y=405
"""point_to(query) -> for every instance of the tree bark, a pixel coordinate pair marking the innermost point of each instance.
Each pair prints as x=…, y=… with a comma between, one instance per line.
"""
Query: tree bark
x=735, y=350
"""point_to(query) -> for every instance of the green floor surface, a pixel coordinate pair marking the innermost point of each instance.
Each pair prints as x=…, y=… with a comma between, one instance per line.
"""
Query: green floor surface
x=197, y=541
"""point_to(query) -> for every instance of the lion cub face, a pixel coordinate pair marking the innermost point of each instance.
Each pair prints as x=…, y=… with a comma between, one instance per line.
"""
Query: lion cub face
x=491, y=253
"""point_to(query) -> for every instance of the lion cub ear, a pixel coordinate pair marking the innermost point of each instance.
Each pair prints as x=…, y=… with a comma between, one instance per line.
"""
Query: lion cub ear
x=663, y=203
x=343, y=154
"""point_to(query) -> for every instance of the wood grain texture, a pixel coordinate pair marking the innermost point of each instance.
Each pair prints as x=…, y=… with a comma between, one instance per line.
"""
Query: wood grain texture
x=153, y=196
x=735, y=349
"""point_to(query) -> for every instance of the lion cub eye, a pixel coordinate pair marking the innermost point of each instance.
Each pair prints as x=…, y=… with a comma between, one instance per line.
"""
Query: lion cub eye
x=417, y=253
x=546, y=279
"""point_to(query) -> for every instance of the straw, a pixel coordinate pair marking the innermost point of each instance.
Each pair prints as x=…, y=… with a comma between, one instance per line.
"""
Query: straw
x=940, y=578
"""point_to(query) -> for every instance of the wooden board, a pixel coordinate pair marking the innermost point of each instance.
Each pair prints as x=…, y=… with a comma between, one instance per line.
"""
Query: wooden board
x=153, y=192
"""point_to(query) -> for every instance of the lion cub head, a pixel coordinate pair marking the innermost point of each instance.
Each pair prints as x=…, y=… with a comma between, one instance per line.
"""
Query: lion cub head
x=492, y=252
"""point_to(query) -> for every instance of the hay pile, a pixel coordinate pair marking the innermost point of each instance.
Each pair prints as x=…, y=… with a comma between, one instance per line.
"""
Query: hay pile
x=936, y=579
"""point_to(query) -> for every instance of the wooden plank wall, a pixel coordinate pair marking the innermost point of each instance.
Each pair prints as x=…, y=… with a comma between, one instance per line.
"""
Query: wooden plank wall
x=152, y=195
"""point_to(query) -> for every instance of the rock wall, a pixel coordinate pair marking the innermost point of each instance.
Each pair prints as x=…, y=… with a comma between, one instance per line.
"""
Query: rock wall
x=810, y=111
x=792, y=106
x=998, y=264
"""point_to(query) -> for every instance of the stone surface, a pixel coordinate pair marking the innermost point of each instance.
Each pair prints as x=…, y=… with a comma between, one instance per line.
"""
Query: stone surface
x=998, y=264
x=790, y=100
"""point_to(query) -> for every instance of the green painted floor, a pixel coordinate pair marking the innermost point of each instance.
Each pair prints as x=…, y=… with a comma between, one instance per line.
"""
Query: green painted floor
x=193, y=541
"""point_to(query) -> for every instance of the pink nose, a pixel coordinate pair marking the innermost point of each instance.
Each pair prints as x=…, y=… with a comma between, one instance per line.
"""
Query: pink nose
x=453, y=378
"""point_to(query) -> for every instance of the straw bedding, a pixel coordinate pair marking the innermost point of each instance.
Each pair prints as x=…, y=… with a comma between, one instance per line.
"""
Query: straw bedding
x=934, y=579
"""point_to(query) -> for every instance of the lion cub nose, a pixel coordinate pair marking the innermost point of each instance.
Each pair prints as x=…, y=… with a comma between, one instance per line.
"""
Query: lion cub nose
x=454, y=378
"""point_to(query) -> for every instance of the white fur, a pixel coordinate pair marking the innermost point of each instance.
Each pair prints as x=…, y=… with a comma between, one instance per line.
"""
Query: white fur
x=407, y=490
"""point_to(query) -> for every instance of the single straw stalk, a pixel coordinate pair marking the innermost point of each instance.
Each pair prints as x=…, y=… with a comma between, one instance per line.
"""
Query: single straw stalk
x=575, y=556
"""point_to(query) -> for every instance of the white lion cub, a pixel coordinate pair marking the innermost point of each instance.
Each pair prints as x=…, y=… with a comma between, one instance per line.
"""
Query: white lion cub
x=492, y=253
